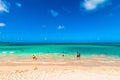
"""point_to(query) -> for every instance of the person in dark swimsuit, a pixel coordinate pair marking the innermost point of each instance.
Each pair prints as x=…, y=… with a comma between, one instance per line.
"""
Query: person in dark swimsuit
x=63, y=54
x=78, y=55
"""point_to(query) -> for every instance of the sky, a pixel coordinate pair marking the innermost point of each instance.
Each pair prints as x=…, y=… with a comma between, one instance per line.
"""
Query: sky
x=60, y=20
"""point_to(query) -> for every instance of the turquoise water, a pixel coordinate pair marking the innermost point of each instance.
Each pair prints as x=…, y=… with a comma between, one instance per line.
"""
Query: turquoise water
x=109, y=49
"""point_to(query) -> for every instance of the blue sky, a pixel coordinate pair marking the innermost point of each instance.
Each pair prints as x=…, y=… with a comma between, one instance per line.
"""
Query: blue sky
x=60, y=20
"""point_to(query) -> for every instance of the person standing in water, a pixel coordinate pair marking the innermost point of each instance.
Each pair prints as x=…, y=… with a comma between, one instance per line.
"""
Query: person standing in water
x=78, y=55
x=63, y=54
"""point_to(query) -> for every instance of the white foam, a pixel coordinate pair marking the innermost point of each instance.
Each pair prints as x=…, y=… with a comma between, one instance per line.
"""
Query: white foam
x=4, y=52
x=11, y=52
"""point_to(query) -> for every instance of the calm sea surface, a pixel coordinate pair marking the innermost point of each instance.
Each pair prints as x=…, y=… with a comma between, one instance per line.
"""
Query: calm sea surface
x=109, y=49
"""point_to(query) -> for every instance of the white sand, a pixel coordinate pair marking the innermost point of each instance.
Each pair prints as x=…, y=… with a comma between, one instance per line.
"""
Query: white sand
x=95, y=68
x=53, y=72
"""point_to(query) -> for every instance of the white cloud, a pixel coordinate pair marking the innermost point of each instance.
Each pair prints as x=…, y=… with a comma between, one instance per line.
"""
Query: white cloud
x=60, y=27
x=54, y=13
x=2, y=24
x=18, y=4
x=93, y=4
x=4, y=6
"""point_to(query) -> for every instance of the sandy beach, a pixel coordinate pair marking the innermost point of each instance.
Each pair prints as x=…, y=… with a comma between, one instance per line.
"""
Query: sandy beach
x=97, y=68
x=54, y=72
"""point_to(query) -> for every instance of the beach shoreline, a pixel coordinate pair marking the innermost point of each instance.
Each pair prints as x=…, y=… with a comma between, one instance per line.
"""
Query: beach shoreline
x=47, y=67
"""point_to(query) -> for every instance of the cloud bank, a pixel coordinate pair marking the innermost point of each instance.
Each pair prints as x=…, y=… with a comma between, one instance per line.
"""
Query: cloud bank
x=4, y=6
x=93, y=4
x=2, y=24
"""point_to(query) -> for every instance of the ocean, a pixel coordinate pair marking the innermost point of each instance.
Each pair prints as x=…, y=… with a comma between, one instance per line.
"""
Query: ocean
x=85, y=49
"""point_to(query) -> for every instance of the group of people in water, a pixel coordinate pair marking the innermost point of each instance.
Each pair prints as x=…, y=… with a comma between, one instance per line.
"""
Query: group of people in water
x=77, y=55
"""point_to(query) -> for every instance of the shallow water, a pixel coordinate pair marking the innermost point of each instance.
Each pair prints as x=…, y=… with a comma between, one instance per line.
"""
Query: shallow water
x=108, y=49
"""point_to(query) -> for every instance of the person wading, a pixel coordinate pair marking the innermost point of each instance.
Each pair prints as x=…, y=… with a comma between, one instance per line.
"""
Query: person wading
x=78, y=55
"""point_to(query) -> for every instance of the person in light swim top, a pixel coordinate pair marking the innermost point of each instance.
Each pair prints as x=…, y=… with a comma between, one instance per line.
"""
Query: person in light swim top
x=34, y=57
